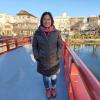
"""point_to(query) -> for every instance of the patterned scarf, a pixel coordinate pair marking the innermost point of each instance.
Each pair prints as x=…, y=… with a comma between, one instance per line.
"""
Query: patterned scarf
x=48, y=30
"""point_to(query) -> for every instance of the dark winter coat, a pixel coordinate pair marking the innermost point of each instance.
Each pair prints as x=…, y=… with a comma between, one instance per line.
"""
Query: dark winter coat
x=47, y=51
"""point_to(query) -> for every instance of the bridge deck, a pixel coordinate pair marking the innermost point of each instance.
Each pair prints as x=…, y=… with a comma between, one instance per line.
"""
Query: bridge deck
x=19, y=79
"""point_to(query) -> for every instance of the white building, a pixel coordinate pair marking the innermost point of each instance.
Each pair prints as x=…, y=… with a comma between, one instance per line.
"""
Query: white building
x=6, y=25
x=65, y=22
x=62, y=22
x=23, y=23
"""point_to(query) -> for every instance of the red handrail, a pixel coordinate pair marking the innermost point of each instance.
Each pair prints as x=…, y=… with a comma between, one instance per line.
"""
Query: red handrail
x=17, y=42
x=73, y=64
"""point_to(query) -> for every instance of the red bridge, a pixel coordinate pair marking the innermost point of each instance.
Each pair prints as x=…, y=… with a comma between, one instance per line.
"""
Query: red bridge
x=20, y=81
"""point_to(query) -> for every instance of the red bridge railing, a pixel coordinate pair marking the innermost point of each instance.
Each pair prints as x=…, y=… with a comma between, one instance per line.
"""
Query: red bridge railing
x=10, y=44
x=81, y=83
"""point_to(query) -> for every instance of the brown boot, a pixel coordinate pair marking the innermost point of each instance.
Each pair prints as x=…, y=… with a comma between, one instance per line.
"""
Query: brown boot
x=48, y=93
x=53, y=92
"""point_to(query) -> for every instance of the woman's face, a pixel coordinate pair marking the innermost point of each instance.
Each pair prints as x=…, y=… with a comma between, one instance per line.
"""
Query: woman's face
x=46, y=21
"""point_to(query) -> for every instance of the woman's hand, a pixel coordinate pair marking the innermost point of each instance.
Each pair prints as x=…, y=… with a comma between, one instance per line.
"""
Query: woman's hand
x=58, y=71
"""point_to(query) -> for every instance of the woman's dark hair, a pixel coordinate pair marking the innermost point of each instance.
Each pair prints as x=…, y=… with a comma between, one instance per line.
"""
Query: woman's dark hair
x=46, y=13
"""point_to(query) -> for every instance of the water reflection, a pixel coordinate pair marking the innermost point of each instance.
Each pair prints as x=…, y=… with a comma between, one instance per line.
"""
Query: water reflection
x=90, y=54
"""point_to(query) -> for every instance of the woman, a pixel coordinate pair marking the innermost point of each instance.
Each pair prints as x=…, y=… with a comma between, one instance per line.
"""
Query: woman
x=47, y=50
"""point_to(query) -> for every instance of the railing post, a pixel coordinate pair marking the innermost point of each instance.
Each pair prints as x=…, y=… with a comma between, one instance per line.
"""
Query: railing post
x=16, y=42
x=30, y=40
x=7, y=44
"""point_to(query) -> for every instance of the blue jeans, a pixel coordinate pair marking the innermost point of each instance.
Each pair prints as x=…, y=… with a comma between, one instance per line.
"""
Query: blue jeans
x=47, y=80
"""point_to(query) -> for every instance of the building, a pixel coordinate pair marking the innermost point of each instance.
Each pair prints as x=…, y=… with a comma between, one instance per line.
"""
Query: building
x=23, y=23
x=93, y=23
x=6, y=26
x=67, y=23
x=62, y=22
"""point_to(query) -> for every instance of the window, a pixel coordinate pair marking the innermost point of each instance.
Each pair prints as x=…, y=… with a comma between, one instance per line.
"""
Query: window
x=7, y=26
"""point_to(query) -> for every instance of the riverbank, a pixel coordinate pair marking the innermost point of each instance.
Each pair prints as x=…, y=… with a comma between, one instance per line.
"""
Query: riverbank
x=81, y=41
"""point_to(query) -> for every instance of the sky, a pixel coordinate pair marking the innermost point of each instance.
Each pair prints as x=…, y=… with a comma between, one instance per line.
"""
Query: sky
x=56, y=7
